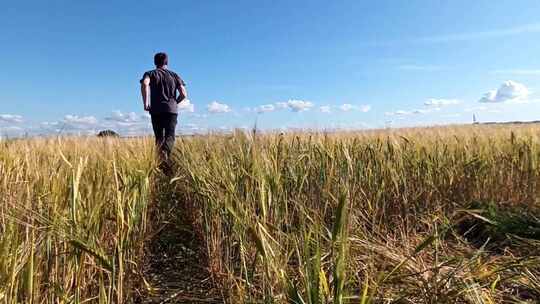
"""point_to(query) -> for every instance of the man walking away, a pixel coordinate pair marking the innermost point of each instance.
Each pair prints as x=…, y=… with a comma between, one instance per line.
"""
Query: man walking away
x=159, y=93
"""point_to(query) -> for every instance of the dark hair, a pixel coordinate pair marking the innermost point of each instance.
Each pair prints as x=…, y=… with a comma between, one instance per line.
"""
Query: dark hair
x=161, y=59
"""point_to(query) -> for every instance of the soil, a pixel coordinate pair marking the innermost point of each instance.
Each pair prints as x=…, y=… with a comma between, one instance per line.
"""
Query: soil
x=176, y=267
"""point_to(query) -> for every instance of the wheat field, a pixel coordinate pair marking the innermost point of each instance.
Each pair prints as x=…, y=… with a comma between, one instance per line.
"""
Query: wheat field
x=424, y=215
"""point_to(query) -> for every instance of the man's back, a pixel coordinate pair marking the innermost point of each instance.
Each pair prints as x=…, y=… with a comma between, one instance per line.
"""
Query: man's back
x=163, y=86
x=158, y=90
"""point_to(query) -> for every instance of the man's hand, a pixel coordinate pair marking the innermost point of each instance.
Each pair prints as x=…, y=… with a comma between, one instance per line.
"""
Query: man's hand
x=146, y=106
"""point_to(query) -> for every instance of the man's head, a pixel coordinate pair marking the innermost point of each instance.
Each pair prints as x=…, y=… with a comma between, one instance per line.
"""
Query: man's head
x=161, y=59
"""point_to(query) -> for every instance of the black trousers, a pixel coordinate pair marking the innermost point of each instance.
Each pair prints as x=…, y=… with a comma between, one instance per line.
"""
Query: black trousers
x=164, y=125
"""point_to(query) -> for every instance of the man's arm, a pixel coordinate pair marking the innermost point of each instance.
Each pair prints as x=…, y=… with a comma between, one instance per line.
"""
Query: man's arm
x=181, y=87
x=145, y=92
x=182, y=93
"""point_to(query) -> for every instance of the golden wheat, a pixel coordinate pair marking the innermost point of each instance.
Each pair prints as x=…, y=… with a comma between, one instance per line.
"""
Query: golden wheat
x=421, y=215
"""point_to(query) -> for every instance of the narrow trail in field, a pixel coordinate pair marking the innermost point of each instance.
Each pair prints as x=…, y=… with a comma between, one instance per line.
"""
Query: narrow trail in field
x=176, y=265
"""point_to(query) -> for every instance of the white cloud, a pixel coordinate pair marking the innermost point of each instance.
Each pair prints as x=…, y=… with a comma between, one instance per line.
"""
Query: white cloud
x=11, y=128
x=364, y=108
x=488, y=97
x=265, y=108
x=509, y=91
x=433, y=102
x=412, y=112
x=47, y=124
x=72, y=124
x=402, y=112
x=325, y=109
x=293, y=104
x=10, y=118
x=299, y=105
x=82, y=120
x=125, y=124
x=118, y=116
x=347, y=107
x=216, y=107
x=191, y=128
x=186, y=106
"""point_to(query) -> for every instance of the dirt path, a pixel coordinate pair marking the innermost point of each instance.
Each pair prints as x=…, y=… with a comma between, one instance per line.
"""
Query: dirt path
x=175, y=261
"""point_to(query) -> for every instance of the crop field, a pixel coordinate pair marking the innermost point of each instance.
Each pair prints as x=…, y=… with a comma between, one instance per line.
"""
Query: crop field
x=424, y=215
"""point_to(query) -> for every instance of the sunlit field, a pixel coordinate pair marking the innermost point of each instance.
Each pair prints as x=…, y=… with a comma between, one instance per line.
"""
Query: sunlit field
x=72, y=218
x=426, y=215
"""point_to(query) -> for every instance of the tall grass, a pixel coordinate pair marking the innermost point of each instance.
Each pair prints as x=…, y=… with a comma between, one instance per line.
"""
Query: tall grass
x=437, y=215
x=373, y=217
x=72, y=218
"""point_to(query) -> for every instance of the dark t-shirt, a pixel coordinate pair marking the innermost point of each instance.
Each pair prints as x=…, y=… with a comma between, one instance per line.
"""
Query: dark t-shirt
x=163, y=86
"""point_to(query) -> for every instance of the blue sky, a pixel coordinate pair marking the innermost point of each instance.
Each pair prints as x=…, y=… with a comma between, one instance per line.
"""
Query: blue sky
x=74, y=66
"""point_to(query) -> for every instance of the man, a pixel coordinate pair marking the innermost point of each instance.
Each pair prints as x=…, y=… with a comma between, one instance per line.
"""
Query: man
x=159, y=89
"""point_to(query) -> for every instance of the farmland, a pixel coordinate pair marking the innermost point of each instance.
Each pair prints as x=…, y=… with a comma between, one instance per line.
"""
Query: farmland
x=424, y=215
